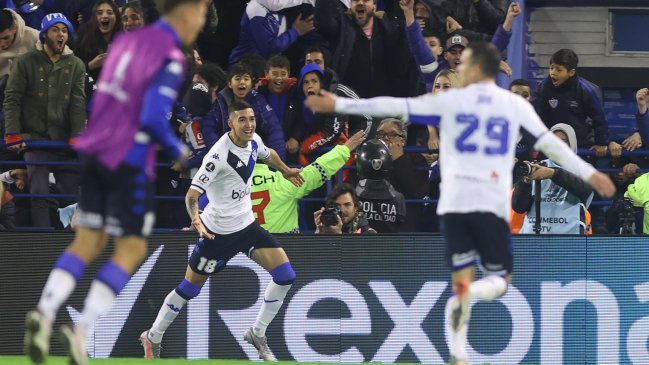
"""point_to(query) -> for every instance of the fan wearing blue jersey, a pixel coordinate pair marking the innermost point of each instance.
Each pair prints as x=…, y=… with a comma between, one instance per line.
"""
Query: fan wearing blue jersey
x=137, y=88
x=227, y=226
x=478, y=125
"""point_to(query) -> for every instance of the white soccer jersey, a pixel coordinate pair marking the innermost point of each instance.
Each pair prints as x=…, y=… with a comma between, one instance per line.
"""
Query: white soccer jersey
x=226, y=176
x=479, y=125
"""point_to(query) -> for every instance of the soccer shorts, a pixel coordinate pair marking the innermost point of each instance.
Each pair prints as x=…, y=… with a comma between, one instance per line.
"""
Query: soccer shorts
x=119, y=201
x=470, y=236
x=211, y=256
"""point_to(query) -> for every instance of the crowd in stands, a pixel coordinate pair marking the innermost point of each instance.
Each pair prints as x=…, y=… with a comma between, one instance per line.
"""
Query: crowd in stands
x=280, y=52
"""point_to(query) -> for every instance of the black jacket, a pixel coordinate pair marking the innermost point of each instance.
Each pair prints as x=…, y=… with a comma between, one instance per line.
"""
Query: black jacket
x=384, y=207
x=576, y=102
x=522, y=198
x=479, y=21
x=341, y=31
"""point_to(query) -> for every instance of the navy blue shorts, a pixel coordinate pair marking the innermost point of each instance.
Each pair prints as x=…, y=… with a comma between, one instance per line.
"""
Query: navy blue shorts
x=120, y=201
x=470, y=236
x=211, y=256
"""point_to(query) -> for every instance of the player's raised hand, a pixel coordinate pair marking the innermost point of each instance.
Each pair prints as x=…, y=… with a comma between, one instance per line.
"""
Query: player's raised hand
x=324, y=102
x=198, y=226
x=355, y=140
x=602, y=184
x=294, y=176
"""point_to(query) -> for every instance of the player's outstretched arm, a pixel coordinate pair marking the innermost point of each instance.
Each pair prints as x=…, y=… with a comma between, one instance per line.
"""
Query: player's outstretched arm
x=191, y=203
x=290, y=173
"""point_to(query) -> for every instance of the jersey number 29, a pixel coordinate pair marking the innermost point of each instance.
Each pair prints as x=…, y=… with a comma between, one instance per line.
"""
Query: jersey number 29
x=496, y=131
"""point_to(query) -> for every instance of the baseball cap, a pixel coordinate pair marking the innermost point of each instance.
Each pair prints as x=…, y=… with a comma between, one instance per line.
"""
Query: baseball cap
x=456, y=40
x=50, y=19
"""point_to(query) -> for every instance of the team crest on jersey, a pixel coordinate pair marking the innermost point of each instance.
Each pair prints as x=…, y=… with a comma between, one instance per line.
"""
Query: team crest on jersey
x=377, y=163
x=553, y=103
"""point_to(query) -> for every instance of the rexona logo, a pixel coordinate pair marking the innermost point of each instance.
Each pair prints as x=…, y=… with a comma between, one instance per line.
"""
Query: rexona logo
x=538, y=332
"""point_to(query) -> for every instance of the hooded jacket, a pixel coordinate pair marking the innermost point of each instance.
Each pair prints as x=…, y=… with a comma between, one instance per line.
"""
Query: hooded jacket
x=24, y=42
x=564, y=197
x=639, y=193
x=45, y=100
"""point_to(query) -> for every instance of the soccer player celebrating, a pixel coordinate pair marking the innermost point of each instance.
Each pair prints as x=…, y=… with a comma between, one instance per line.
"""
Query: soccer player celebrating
x=479, y=124
x=227, y=226
x=136, y=90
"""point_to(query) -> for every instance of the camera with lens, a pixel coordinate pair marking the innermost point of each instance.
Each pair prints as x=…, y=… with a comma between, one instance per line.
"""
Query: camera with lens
x=522, y=169
x=329, y=217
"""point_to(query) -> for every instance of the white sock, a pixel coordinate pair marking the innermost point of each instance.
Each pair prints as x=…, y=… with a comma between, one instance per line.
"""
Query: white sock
x=58, y=288
x=458, y=338
x=166, y=315
x=488, y=288
x=273, y=299
x=99, y=298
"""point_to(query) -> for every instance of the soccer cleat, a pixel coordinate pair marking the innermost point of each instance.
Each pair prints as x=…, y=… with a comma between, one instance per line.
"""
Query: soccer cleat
x=460, y=314
x=151, y=349
x=37, y=336
x=260, y=344
x=452, y=360
x=74, y=341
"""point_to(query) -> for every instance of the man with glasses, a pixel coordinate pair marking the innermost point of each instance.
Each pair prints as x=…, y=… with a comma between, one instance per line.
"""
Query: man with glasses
x=406, y=178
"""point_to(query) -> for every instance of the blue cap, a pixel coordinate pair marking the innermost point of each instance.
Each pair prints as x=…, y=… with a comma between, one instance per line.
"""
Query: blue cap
x=50, y=19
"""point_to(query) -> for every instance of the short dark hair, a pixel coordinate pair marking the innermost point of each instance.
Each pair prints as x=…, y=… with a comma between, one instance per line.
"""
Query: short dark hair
x=318, y=48
x=213, y=74
x=565, y=57
x=486, y=56
x=240, y=68
x=166, y=6
x=238, y=105
x=427, y=32
x=279, y=61
x=520, y=82
x=135, y=5
x=338, y=191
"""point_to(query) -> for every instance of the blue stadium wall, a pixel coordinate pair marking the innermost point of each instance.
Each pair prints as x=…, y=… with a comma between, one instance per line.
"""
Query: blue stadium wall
x=363, y=298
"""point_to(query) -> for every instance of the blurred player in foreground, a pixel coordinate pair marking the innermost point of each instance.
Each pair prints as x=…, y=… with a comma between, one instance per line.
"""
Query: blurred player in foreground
x=479, y=124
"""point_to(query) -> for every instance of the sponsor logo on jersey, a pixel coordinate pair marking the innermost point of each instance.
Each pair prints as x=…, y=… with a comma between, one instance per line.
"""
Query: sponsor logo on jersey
x=210, y=167
x=240, y=194
x=215, y=156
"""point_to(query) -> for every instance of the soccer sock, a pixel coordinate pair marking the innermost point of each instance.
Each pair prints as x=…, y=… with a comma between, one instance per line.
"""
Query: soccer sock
x=273, y=299
x=109, y=282
x=61, y=283
x=488, y=288
x=458, y=338
x=168, y=312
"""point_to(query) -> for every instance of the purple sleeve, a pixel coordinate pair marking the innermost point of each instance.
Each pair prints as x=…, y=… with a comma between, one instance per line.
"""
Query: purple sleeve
x=501, y=39
x=266, y=39
x=643, y=126
x=423, y=56
x=158, y=104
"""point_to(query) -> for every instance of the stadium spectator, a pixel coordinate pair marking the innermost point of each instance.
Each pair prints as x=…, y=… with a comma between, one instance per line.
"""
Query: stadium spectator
x=16, y=39
x=445, y=80
x=637, y=139
x=564, y=97
x=370, y=48
x=260, y=28
x=320, y=56
x=16, y=177
x=240, y=84
x=45, y=100
x=212, y=77
x=521, y=87
x=95, y=36
x=406, y=178
x=564, y=197
x=132, y=16
x=312, y=130
x=475, y=19
x=342, y=214
x=383, y=205
x=275, y=199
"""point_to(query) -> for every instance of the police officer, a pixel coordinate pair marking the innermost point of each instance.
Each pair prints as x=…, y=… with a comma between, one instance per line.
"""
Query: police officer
x=384, y=207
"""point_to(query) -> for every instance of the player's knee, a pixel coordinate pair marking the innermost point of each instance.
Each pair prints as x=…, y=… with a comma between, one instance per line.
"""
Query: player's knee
x=283, y=274
x=188, y=290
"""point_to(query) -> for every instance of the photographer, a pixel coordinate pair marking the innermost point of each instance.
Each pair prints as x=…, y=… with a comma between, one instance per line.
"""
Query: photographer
x=564, y=198
x=342, y=214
